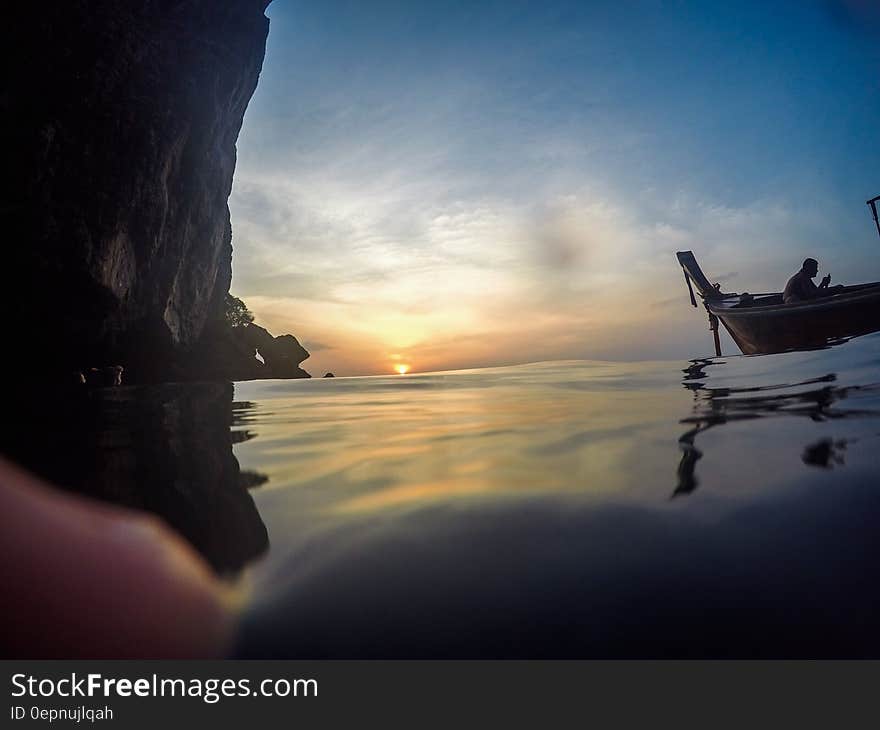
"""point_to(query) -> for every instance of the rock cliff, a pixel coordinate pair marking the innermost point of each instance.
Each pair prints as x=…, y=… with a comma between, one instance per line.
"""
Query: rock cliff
x=119, y=122
x=230, y=353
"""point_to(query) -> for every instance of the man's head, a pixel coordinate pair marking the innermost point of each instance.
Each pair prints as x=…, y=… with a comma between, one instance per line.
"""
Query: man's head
x=810, y=267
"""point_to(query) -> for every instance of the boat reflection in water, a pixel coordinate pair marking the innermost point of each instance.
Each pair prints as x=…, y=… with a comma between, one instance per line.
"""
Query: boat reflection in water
x=164, y=449
x=816, y=398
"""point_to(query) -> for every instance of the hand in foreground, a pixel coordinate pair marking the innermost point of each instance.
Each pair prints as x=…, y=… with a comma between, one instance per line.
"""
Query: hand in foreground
x=87, y=580
x=826, y=280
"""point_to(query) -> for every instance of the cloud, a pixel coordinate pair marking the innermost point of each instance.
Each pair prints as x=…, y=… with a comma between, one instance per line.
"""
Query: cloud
x=488, y=280
x=461, y=213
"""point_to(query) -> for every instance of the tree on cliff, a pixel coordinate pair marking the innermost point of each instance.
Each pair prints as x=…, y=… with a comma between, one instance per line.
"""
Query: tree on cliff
x=236, y=312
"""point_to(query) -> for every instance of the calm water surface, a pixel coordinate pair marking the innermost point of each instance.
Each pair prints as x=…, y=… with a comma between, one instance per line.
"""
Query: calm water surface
x=720, y=507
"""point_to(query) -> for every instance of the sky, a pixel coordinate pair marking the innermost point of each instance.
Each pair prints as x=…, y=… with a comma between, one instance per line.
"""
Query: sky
x=446, y=185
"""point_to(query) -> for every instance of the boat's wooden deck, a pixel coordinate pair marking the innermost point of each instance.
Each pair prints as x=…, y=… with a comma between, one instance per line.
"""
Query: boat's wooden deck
x=772, y=302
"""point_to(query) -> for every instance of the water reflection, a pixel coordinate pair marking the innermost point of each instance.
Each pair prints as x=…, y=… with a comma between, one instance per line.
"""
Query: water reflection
x=826, y=453
x=512, y=512
x=715, y=406
x=163, y=449
x=522, y=514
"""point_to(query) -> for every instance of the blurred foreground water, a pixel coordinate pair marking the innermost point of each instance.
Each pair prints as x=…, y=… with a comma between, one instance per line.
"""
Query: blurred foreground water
x=719, y=507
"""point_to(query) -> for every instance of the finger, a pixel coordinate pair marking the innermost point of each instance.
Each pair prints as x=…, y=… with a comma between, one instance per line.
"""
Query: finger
x=91, y=580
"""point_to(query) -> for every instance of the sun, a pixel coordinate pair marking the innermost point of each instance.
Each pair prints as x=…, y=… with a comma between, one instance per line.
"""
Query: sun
x=401, y=368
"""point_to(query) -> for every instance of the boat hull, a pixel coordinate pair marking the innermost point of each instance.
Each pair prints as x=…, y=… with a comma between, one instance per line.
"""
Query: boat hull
x=805, y=325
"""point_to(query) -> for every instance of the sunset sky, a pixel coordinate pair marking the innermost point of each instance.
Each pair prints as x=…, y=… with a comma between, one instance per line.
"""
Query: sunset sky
x=457, y=184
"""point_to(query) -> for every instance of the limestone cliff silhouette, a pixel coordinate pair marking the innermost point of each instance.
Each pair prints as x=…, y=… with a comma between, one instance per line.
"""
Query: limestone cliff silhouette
x=119, y=123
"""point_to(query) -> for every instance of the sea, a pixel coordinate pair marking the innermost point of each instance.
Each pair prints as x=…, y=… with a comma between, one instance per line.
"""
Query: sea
x=712, y=507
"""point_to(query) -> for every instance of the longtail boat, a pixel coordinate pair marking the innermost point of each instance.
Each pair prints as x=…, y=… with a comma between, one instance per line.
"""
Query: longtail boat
x=762, y=324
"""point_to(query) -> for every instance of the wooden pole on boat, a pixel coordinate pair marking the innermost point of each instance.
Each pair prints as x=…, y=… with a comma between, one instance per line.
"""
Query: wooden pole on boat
x=713, y=325
x=873, y=204
x=687, y=280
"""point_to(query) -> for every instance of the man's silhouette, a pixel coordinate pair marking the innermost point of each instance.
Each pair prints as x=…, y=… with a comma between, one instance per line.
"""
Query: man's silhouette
x=800, y=287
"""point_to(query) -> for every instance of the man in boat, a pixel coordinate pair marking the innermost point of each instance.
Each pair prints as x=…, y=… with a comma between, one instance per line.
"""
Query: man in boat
x=800, y=287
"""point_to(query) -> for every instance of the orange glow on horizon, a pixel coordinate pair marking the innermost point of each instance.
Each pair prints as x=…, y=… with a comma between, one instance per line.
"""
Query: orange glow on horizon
x=401, y=369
